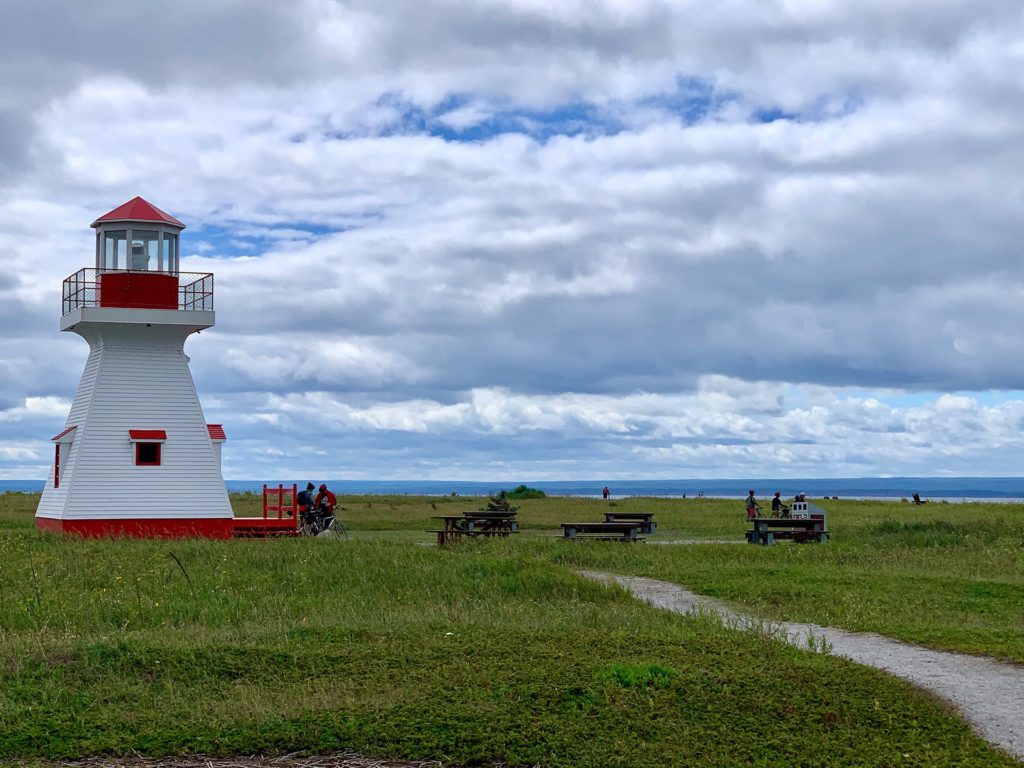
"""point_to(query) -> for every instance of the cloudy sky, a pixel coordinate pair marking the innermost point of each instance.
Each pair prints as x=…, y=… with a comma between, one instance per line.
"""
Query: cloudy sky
x=541, y=240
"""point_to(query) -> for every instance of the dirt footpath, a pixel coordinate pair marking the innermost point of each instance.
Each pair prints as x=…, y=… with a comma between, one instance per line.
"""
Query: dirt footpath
x=988, y=693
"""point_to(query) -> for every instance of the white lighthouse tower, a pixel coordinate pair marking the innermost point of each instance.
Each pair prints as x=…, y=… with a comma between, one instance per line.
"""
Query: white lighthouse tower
x=137, y=457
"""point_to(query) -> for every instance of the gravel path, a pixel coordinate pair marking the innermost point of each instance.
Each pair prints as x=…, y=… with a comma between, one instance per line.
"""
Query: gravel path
x=988, y=693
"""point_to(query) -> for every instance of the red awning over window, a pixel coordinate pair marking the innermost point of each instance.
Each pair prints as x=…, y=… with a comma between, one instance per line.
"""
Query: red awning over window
x=150, y=435
x=216, y=431
x=64, y=434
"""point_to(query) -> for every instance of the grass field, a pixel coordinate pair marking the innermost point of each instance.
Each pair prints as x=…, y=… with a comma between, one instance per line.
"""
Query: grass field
x=496, y=651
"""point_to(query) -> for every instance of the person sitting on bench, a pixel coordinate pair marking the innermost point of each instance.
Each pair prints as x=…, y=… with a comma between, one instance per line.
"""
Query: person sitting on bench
x=917, y=498
x=778, y=508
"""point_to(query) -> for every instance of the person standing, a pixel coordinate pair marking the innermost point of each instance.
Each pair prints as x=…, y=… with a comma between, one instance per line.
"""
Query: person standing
x=606, y=493
x=753, y=510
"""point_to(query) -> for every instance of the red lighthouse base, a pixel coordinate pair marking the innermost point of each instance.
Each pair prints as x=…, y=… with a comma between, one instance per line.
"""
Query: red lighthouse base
x=141, y=528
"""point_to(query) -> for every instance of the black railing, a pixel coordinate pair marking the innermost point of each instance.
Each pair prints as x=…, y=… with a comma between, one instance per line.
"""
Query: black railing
x=82, y=289
x=195, y=291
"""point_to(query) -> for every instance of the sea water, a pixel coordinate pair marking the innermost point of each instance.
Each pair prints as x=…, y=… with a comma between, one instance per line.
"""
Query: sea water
x=935, y=488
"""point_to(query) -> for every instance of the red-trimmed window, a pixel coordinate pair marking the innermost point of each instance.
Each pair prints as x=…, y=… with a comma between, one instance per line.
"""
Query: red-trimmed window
x=61, y=448
x=148, y=446
x=147, y=454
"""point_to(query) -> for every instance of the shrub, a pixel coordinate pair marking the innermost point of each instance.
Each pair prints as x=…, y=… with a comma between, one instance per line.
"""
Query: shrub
x=525, y=492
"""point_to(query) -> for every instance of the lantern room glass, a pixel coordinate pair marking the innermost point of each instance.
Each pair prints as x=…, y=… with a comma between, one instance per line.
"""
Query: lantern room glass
x=115, y=253
x=145, y=251
x=169, y=262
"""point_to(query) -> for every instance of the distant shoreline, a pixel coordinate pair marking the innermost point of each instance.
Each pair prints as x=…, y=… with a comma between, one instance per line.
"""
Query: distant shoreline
x=1009, y=490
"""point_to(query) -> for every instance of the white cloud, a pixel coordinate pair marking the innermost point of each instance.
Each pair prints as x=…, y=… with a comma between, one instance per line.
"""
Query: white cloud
x=725, y=428
x=38, y=408
x=713, y=205
x=316, y=362
x=19, y=452
x=466, y=116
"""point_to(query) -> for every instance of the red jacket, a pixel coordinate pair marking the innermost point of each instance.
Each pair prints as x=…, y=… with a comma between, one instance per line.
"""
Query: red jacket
x=332, y=500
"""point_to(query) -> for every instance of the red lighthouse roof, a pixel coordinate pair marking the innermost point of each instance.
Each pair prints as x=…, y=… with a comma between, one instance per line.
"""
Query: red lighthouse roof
x=138, y=209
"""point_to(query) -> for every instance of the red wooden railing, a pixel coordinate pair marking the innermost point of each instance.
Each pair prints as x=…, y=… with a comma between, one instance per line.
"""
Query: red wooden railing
x=282, y=500
x=280, y=515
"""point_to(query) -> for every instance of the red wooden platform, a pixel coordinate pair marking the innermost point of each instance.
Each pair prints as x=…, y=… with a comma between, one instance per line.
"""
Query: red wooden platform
x=280, y=515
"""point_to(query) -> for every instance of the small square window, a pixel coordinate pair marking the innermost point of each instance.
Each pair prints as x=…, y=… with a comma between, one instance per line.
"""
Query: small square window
x=147, y=454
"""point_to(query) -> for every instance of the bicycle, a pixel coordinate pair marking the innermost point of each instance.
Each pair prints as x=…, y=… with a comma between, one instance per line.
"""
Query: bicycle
x=321, y=523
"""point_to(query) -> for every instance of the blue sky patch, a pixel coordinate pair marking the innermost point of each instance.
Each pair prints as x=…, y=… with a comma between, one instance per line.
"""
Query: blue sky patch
x=230, y=242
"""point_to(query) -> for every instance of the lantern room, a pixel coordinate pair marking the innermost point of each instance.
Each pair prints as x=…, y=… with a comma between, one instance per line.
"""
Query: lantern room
x=138, y=237
x=137, y=256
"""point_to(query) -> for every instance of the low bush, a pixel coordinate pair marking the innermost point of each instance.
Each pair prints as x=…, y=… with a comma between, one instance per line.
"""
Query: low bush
x=526, y=492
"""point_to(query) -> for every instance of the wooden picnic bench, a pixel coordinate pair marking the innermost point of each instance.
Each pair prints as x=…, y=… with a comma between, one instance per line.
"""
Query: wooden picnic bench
x=768, y=530
x=620, y=531
x=495, y=516
x=646, y=519
x=473, y=524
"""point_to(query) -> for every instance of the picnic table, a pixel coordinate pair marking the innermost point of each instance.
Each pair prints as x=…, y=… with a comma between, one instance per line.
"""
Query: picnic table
x=646, y=519
x=768, y=530
x=607, y=531
x=496, y=516
x=454, y=527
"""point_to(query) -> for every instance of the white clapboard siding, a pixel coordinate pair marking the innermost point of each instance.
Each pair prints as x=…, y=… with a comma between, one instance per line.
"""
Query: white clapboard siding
x=53, y=499
x=216, y=455
x=137, y=377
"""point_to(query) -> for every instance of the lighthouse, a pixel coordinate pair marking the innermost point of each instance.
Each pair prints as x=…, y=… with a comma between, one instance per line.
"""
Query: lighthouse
x=136, y=457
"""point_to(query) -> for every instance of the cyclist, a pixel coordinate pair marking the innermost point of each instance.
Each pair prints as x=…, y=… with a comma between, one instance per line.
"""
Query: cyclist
x=305, y=499
x=778, y=508
x=325, y=501
x=753, y=510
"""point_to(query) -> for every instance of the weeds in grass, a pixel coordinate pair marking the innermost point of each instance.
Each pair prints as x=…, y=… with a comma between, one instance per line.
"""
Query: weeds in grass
x=637, y=676
x=817, y=643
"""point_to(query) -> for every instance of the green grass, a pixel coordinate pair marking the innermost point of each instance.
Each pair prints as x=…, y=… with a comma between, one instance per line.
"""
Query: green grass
x=485, y=652
x=950, y=577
